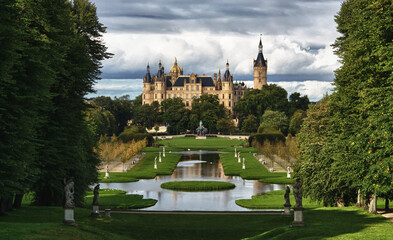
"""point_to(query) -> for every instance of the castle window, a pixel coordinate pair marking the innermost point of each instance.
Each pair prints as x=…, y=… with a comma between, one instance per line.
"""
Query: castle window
x=187, y=104
x=144, y=96
x=155, y=95
x=192, y=81
x=197, y=88
x=144, y=102
x=162, y=95
x=181, y=89
x=192, y=87
x=169, y=96
x=211, y=89
x=187, y=95
x=229, y=96
x=229, y=103
x=176, y=89
x=197, y=95
x=192, y=95
x=223, y=96
x=234, y=93
x=187, y=88
x=175, y=95
x=259, y=80
x=223, y=103
x=181, y=95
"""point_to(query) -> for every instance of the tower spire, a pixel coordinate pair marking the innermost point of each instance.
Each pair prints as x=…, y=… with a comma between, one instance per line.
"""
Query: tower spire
x=260, y=43
x=227, y=65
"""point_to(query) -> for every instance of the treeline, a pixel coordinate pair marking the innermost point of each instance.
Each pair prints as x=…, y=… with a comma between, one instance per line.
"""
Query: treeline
x=267, y=107
x=51, y=53
x=346, y=139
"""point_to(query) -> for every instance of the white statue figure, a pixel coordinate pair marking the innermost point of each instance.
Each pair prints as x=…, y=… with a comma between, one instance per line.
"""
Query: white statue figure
x=163, y=152
x=244, y=163
x=159, y=158
x=155, y=163
x=69, y=193
x=288, y=172
x=235, y=153
x=107, y=171
x=238, y=158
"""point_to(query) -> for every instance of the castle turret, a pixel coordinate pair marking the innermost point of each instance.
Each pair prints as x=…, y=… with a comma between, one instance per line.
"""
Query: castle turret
x=260, y=68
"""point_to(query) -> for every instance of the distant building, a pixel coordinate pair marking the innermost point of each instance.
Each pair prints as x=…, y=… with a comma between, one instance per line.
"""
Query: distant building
x=162, y=86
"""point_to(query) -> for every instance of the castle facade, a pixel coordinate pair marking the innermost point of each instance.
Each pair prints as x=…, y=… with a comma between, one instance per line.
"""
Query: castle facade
x=162, y=86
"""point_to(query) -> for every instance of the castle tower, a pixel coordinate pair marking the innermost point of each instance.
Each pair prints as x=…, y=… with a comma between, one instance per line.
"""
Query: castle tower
x=260, y=69
x=175, y=70
x=147, y=81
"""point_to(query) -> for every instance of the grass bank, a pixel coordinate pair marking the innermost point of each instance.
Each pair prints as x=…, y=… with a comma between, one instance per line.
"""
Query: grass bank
x=117, y=199
x=254, y=169
x=211, y=143
x=197, y=185
x=144, y=169
x=273, y=200
x=322, y=223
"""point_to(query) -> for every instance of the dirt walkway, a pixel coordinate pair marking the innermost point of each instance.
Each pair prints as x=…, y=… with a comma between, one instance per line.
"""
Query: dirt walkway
x=270, y=163
x=388, y=215
x=117, y=165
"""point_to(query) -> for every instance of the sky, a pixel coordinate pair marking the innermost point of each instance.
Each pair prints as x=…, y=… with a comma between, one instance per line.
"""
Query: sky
x=203, y=35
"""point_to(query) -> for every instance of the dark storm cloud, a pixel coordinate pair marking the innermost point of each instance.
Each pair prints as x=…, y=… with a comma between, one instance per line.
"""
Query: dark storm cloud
x=273, y=17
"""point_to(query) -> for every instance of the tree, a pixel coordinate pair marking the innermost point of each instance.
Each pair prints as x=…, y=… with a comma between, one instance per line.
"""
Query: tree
x=121, y=108
x=175, y=115
x=225, y=125
x=207, y=109
x=296, y=121
x=146, y=116
x=272, y=118
x=297, y=102
x=250, y=124
x=256, y=102
x=101, y=122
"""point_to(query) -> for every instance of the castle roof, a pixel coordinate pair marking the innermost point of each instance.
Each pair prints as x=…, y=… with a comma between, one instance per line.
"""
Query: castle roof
x=206, y=81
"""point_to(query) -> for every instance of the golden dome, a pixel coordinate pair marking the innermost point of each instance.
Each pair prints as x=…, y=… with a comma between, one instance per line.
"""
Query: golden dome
x=175, y=68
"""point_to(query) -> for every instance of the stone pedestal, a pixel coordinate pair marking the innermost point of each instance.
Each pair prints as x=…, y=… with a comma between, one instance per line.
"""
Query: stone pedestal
x=96, y=211
x=288, y=175
x=69, y=217
x=287, y=210
x=298, y=218
x=200, y=137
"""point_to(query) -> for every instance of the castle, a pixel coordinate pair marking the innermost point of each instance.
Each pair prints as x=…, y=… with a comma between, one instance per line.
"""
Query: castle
x=162, y=86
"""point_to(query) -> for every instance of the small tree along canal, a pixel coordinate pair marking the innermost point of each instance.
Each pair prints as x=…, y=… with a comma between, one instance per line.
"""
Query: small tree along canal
x=196, y=166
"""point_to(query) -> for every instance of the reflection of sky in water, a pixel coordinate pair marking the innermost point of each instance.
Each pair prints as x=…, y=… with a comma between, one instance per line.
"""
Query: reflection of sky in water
x=197, y=167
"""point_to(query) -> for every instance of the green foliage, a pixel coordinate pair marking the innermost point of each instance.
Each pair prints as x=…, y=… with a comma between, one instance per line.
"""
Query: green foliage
x=101, y=122
x=273, y=200
x=146, y=115
x=176, y=115
x=53, y=56
x=256, y=102
x=136, y=133
x=296, y=121
x=272, y=118
x=117, y=199
x=250, y=124
x=271, y=134
x=207, y=109
x=195, y=186
x=225, y=125
x=211, y=143
x=121, y=109
x=296, y=102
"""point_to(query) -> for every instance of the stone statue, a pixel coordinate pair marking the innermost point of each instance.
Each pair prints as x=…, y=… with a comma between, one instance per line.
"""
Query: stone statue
x=286, y=197
x=96, y=193
x=69, y=193
x=297, y=193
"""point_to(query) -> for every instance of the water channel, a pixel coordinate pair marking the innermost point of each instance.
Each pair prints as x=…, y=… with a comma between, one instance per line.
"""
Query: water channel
x=196, y=166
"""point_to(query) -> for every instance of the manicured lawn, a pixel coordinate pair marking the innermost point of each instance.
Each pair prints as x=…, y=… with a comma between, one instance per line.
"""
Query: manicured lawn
x=321, y=223
x=211, y=143
x=144, y=169
x=254, y=169
x=273, y=200
x=197, y=185
x=117, y=199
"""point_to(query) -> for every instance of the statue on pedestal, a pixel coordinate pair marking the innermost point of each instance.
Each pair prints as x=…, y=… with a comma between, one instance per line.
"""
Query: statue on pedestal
x=69, y=193
x=297, y=193
x=96, y=193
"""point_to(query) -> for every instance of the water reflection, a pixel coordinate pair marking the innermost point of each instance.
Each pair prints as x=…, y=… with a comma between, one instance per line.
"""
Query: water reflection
x=201, y=166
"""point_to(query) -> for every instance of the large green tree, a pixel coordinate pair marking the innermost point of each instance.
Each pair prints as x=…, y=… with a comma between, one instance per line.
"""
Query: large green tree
x=256, y=102
x=175, y=115
x=272, y=118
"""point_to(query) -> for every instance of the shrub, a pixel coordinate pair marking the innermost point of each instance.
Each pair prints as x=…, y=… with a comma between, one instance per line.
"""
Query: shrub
x=271, y=134
x=134, y=133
